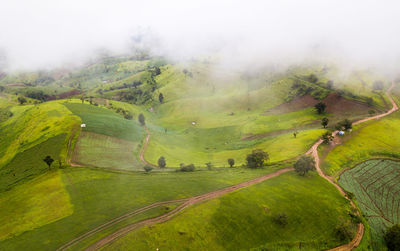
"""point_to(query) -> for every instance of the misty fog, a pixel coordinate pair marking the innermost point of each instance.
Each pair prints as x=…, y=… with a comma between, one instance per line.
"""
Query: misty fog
x=45, y=33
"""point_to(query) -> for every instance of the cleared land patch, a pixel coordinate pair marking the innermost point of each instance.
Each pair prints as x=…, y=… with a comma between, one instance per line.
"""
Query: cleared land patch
x=244, y=219
x=104, y=151
x=376, y=187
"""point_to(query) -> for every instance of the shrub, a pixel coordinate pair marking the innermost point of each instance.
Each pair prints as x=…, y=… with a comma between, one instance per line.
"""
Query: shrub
x=148, y=168
x=280, y=219
x=392, y=237
x=187, y=168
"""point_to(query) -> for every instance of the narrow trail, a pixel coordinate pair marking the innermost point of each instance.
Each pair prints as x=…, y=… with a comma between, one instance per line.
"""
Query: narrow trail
x=200, y=198
x=314, y=152
x=146, y=143
x=185, y=203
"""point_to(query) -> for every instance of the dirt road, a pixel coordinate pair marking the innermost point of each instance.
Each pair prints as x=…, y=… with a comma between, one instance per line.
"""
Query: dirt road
x=145, y=144
x=314, y=152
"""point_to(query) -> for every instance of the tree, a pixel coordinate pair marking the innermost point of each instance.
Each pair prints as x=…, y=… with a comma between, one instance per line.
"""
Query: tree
x=209, y=165
x=161, y=98
x=320, y=107
x=83, y=99
x=148, y=168
x=49, y=160
x=347, y=124
x=304, y=164
x=324, y=122
x=141, y=119
x=231, y=162
x=327, y=137
x=21, y=100
x=392, y=237
x=161, y=162
x=257, y=158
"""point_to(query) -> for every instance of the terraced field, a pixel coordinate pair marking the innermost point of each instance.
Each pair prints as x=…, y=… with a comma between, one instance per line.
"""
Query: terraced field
x=376, y=187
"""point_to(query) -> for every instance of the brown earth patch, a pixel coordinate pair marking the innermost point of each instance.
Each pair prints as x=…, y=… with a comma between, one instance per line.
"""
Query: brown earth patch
x=16, y=84
x=335, y=104
x=64, y=95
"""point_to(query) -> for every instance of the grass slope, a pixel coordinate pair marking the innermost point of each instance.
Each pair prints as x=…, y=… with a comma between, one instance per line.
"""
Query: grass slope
x=375, y=185
x=33, y=204
x=104, y=121
x=98, y=196
x=32, y=125
x=244, y=219
x=29, y=163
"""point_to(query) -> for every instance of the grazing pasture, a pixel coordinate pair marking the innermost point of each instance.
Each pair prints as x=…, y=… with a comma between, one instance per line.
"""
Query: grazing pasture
x=247, y=218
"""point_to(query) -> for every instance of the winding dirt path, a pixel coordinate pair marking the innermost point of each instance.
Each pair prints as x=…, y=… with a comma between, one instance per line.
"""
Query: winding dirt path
x=145, y=144
x=187, y=203
x=314, y=152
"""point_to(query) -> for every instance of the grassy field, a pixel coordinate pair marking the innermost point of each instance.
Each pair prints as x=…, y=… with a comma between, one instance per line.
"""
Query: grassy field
x=216, y=145
x=29, y=163
x=244, y=219
x=380, y=138
x=114, y=152
x=33, y=204
x=103, y=121
x=375, y=184
x=99, y=195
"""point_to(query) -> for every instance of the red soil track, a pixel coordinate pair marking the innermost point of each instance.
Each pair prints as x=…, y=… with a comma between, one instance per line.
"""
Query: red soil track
x=187, y=203
x=145, y=144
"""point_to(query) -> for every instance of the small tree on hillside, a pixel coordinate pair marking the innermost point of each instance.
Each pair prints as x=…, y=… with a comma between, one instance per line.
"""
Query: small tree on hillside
x=21, y=100
x=141, y=119
x=257, y=158
x=327, y=137
x=231, y=162
x=209, y=165
x=161, y=98
x=304, y=164
x=344, y=124
x=49, y=160
x=324, y=122
x=161, y=162
x=320, y=107
x=392, y=237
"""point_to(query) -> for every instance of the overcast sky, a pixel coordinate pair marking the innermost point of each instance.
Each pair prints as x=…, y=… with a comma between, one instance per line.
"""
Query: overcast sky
x=45, y=33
